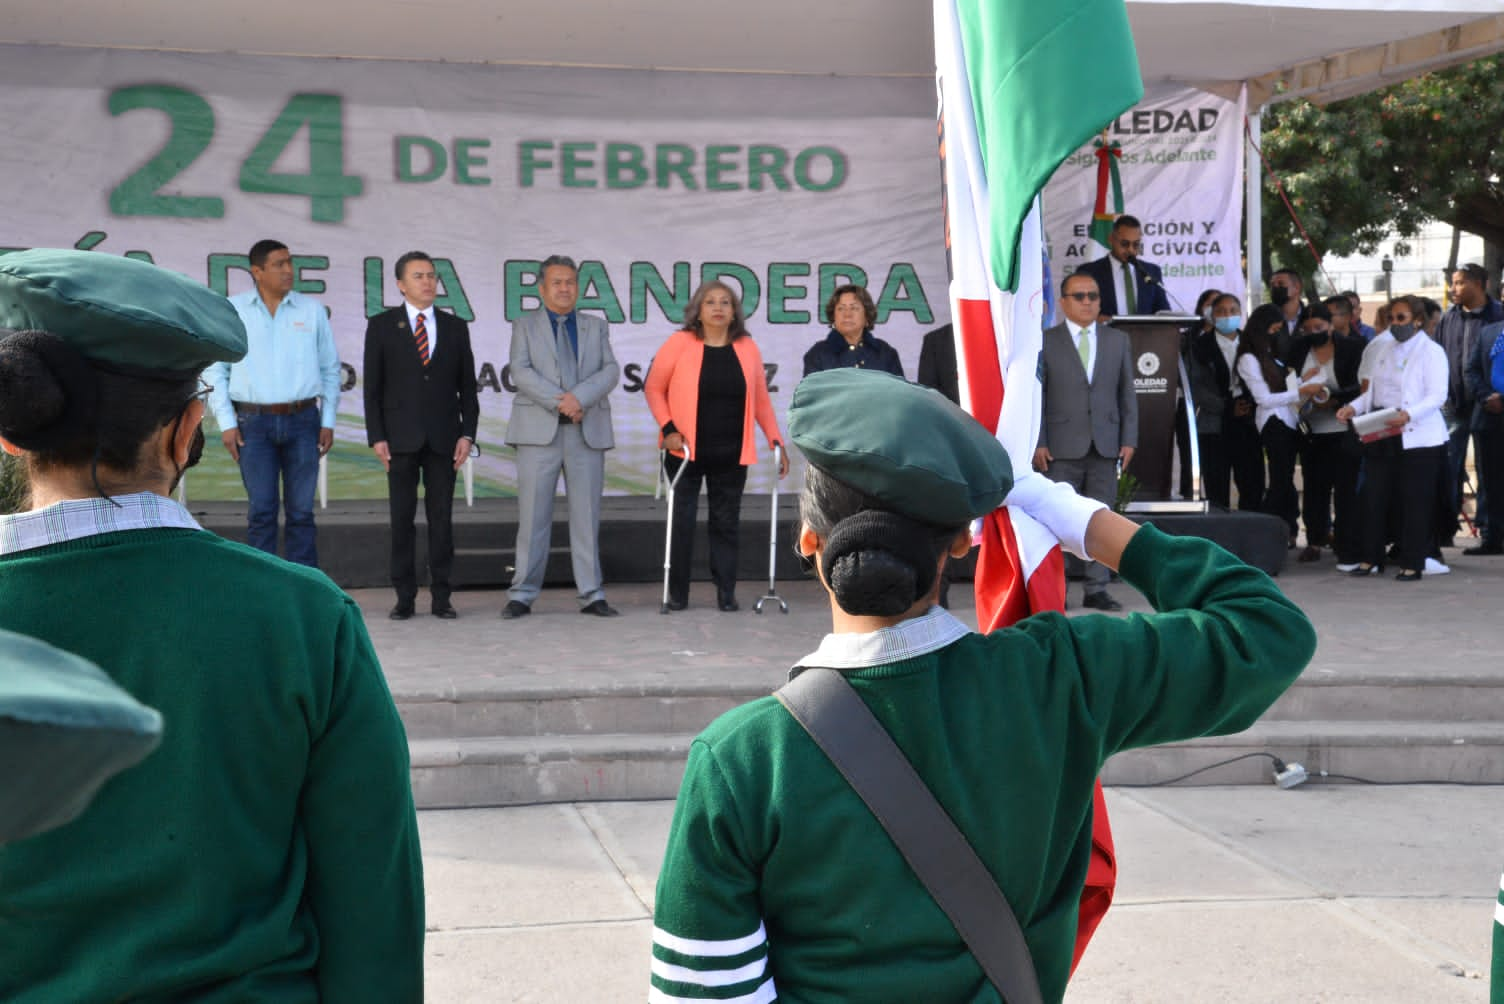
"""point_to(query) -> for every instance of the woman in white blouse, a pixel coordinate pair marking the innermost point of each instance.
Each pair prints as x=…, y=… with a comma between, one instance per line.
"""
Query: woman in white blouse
x=1409, y=374
x=1277, y=395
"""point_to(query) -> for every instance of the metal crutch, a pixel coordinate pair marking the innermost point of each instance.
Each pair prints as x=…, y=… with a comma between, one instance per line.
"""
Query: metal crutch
x=772, y=593
x=668, y=531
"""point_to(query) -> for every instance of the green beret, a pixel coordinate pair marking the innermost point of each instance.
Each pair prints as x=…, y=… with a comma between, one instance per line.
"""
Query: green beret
x=901, y=443
x=65, y=729
x=119, y=311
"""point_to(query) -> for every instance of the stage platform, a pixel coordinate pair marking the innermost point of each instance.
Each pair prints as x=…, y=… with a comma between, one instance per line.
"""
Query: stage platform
x=354, y=539
x=1406, y=686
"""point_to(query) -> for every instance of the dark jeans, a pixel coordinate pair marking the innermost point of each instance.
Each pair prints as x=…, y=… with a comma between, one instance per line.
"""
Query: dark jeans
x=1234, y=457
x=723, y=493
x=1329, y=469
x=281, y=448
x=1456, y=468
x=437, y=471
x=1396, y=478
x=1490, y=446
x=1280, y=444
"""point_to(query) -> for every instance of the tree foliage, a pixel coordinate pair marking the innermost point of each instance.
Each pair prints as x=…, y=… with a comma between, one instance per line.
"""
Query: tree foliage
x=1386, y=163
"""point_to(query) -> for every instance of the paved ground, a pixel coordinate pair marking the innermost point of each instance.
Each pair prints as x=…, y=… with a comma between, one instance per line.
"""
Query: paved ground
x=1227, y=894
x=1324, y=893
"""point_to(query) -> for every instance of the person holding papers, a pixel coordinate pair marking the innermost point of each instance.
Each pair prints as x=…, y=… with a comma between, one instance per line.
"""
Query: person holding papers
x=1409, y=376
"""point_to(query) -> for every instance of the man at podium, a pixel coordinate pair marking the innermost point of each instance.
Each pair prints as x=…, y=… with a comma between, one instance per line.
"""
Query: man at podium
x=1128, y=284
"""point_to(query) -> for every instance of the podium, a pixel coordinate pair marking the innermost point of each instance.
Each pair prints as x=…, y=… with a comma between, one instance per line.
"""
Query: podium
x=1159, y=379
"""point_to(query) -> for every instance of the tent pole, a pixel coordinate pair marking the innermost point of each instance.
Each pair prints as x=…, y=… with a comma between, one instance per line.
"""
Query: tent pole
x=1254, y=210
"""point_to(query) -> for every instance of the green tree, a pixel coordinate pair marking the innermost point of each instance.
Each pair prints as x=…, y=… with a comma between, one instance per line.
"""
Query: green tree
x=1386, y=163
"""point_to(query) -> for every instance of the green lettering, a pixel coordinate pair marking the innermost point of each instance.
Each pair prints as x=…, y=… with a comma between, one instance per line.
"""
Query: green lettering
x=316, y=262
x=453, y=296
x=438, y=160
x=646, y=281
x=219, y=270
x=716, y=165
x=530, y=161
x=520, y=280
x=374, y=272
x=465, y=160
x=903, y=292
x=743, y=276
x=802, y=163
x=325, y=184
x=572, y=161
x=834, y=274
x=597, y=293
x=780, y=291
x=676, y=159
x=625, y=159
x=769, y=161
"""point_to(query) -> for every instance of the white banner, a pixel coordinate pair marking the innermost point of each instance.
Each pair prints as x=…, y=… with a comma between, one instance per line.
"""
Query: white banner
x=1182, y=173
x=789, y=186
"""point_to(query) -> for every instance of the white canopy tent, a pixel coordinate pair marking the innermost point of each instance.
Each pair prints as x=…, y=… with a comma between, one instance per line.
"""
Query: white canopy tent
x=1279, y=49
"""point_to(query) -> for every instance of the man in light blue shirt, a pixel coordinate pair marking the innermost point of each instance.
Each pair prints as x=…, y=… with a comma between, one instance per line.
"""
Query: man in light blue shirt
x=276, y=406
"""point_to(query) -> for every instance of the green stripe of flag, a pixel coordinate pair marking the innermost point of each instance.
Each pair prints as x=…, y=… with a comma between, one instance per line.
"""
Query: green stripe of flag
x=1045, y=76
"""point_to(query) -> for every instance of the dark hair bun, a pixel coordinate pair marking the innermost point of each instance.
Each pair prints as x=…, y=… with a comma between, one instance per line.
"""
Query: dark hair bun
x=873, y=583
x=879, y=564
x=49, y=393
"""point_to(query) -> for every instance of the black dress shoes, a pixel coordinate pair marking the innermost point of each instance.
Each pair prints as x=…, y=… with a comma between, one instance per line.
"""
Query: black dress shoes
x=600, y=608
x=729, y=605
x=445, y=611
x=1100, y=601
x=515, y=609
x=678, y=604
x=402, y=611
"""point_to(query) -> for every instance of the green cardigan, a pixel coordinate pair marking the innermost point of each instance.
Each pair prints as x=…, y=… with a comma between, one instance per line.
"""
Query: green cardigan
x=778, y=884
x=268, y=850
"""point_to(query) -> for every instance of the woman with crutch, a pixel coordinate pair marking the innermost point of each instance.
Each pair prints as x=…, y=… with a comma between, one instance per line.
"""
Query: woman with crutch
x=706, y=389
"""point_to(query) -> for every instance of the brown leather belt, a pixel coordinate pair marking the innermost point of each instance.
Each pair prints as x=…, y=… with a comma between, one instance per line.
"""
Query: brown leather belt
x=292, y=408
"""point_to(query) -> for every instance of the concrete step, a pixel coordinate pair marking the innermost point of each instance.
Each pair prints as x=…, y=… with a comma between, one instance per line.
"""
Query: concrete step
x=1387, y=752
x=494, y=771
x=522, y=770
x=1418, y=698
x=518, y=713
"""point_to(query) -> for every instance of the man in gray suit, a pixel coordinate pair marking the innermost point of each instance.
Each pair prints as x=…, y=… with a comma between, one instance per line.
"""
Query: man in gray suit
x=561, y=420
x=1090, y=411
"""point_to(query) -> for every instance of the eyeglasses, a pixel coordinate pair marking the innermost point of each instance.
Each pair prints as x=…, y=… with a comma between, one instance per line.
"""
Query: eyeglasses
x=1092, y=297
x=203, y=392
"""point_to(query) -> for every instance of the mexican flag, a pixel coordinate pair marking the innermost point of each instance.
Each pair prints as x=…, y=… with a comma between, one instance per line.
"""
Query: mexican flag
x=1021, y=86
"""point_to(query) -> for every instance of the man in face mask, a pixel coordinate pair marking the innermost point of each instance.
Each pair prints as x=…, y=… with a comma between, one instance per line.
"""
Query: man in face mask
x=1285, y=289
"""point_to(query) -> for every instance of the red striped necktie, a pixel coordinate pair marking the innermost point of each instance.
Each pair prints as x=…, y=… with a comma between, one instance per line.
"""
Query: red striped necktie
x=420, y=335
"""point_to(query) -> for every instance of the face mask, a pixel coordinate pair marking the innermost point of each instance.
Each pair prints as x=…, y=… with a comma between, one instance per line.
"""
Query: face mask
x=1229, y=325
x=1318, y=338
x=1206, y=315
x=1402, y=332
x=1280, y=295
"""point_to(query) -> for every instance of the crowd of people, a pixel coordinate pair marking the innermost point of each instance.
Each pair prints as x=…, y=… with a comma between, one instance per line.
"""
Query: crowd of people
x=1285, y=387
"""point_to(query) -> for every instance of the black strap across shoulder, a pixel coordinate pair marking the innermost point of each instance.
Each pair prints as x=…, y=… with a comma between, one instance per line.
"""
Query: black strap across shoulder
x=844, y=727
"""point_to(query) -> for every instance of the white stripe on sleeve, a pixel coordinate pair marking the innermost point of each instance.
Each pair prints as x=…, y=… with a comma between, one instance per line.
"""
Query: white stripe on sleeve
x=765, y=994
x=709, y=949
x=710, y=977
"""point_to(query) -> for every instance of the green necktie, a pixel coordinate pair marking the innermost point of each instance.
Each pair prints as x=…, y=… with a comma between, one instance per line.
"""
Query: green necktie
x=1128, y=289
x=1083, y=347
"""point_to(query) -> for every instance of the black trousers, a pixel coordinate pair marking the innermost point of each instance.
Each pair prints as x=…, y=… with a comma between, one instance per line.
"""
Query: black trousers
x=1490, y=446
x=723, y=492
x=1280, y=447
x=1329, y=469
x=1396, y=478
x=437, y=472
x=1234, y=457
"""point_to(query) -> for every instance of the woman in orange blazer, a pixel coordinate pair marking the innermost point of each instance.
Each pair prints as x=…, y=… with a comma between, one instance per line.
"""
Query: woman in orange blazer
x=706, y=387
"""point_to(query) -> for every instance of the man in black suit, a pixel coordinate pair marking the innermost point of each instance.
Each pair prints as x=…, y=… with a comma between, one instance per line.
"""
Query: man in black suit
x=938, y=370
x=421, y=414
x=1128, y=284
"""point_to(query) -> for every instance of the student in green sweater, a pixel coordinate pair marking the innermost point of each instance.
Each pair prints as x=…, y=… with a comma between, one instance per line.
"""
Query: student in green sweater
x=778, y=883
x=268, y=849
